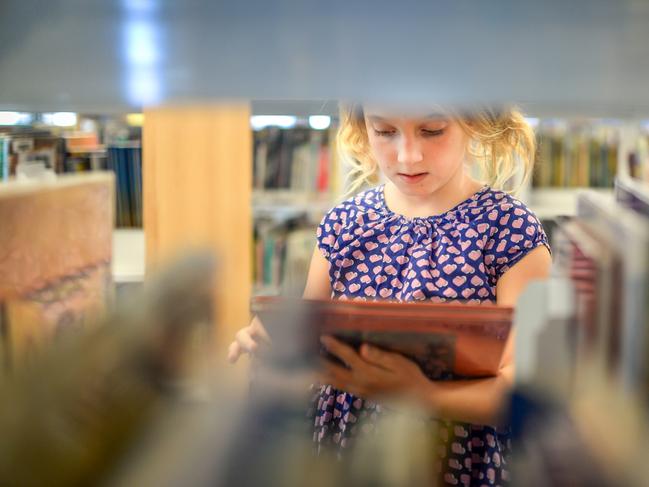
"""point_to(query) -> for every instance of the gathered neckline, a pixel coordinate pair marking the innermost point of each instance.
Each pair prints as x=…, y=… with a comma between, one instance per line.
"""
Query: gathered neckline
x=384, y=205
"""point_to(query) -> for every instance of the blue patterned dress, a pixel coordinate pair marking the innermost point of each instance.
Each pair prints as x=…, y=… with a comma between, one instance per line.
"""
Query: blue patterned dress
x=458, y=255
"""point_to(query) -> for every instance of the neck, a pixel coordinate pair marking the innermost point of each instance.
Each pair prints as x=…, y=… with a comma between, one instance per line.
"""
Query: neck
x=453, y=192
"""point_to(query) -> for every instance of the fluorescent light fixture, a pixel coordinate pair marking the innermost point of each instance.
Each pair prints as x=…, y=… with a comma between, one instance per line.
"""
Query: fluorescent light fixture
x=259, y=122
x=533, y=122
x=60, y=119
x=141, y=42
x=142, y=53
x=15, y=118
x=319, y=122
x=143, y=85
x=139, y=6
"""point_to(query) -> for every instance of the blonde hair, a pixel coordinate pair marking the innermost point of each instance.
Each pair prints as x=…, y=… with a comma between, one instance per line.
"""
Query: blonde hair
x=501, y=143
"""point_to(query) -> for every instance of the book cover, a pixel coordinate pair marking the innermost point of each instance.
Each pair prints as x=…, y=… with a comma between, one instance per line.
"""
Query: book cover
x=55, y=254
x=446, y=340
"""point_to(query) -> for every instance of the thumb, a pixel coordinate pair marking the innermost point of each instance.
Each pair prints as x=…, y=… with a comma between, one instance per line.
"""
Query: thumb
x=384, y=359
x=234, y=351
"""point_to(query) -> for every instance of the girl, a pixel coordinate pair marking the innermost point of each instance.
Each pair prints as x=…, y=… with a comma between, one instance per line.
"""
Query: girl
x=429, y=232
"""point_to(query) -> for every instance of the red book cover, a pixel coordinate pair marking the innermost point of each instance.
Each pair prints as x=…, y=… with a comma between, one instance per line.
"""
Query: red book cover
x=323, y=169
x=446, y=340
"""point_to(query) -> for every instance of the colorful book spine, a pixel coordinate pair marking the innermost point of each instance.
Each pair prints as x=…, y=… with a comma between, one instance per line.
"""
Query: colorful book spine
x=5, y=141
x=298, y=159
x=583, y=155
x=126, y=162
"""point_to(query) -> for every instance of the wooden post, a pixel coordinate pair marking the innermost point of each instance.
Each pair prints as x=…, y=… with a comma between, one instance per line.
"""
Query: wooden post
x=197, y=176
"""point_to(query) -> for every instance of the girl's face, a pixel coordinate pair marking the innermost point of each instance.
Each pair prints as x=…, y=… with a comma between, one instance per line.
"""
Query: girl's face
x=419, y=155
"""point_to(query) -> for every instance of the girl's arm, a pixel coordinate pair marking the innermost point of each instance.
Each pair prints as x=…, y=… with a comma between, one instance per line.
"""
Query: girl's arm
x=480, y=401
x=376, y=372
x=317, y=281
x=248, y=338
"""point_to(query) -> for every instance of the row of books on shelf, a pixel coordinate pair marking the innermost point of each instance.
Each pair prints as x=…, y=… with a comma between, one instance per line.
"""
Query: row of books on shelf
x=78, y=153
x=281, y=257
x=583, y=155
x=590, y=154
x=300, y=159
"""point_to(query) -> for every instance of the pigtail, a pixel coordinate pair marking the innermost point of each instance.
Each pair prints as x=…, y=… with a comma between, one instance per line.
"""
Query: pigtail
x=353, y=149
x=503, y=144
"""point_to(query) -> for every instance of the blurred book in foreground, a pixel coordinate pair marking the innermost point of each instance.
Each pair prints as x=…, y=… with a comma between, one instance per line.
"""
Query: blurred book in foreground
x=55, y=254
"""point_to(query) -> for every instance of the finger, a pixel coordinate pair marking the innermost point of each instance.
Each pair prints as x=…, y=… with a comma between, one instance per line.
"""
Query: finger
x=246, y=342
x=334, y=369
x=334, y=375
x=234, y=351
x=386, y=360
x=359, y=384
x=346, y=353
x=257, y=330
x=339, y=380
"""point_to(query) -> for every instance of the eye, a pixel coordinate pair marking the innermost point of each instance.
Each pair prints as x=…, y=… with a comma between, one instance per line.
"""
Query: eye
x=432, y=133
x=384, y=133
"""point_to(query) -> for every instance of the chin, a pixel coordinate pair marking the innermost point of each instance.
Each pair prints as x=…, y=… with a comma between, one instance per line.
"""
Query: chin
x=420, y=189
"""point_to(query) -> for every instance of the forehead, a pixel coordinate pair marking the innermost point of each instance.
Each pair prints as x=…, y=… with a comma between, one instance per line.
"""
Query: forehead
x=391, y=113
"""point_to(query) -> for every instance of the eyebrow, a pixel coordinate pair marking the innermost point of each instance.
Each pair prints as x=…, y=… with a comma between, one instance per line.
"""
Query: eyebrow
x=430, y=116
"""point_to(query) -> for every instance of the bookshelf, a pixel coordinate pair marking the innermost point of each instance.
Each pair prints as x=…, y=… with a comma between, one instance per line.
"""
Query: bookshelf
x=549, y=203
x=296, y=178
x=575, y=155
x=285, y=204
x=207, y=206
x=31, y=149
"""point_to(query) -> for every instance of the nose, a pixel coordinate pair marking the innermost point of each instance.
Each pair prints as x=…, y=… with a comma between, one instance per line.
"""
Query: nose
x=409, y=150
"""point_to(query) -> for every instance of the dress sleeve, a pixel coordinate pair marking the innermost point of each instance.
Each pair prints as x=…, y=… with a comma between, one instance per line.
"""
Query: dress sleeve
x=518, y=232
x=328, y=231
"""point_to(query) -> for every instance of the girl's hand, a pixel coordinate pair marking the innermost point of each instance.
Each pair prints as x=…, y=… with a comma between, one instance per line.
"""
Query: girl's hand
x=248, y=340
x=373, y=372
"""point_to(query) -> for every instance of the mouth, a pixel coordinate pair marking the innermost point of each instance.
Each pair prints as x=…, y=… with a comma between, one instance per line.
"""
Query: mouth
x=412, y=178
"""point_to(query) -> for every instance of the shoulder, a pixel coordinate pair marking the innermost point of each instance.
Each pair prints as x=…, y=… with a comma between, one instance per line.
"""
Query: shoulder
x=364, y=203
x=510, y=231
x=343, y=218
x=497, y=210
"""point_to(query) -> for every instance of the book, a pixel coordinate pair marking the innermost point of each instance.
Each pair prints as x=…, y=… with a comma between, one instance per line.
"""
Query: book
x=586, y=255
x=445, y=340
x=633, y=194
x=81, y=404
x=55, y=254
x=126, y=161
x=629, y=235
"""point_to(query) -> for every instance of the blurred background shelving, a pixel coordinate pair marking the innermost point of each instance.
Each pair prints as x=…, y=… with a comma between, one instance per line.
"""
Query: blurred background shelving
x=297, y=175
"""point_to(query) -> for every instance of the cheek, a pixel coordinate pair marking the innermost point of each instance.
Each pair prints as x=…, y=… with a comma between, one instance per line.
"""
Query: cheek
x=448, y=151
x=384, y=152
